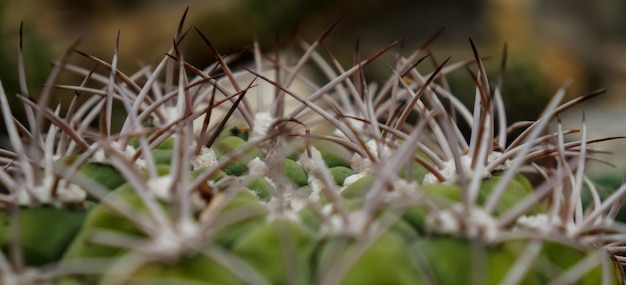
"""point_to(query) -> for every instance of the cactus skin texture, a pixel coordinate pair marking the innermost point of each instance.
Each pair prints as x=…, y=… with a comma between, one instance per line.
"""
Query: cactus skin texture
x=231, y=175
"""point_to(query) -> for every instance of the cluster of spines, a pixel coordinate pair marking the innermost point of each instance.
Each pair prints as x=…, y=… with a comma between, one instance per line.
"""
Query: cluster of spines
x=419, y=181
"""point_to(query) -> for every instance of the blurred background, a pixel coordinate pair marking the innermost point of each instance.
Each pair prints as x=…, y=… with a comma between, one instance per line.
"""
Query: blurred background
x=549, y=41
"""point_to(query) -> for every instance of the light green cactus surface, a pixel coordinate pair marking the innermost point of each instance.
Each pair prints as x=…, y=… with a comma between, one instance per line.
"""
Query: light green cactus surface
x=296, y=170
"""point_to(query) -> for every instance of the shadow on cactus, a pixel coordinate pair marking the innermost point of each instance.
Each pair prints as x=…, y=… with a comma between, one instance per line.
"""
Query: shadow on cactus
x=265, y=174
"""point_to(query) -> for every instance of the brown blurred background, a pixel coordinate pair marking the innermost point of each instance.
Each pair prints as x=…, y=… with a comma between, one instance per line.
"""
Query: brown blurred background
x=549, y=41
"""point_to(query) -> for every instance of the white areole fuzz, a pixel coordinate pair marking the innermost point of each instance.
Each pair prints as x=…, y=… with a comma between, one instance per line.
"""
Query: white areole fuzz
x=545, y=224
x=364, y=164
x=473, y=223
x=493, y=156
x=354, y=224
x=161, y=185
x=129, y=152
x=449, y=169
x=205, y=159
x=67, y=193
x=315, y=167
x=262, y=123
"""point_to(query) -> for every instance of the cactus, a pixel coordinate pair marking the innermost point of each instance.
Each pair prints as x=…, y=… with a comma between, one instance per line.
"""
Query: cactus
x=228, y=175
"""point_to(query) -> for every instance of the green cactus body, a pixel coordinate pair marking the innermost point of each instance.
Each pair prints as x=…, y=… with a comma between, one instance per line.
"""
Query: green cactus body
x=280, y=250
x=517, y=190
x=45, y=232
x=243, y=202
x=333, y=155
x=103, y=218
x=261, y=188
x=305, y=190
x=196, y=268
x=418, y=171
x=385, y=260
x=359, y=188
x=441, y=195
x=236, y=167
x=453, y=261
x=162, y=156
x=161, y=153
x=340, y=173
x=104, y=174
x=236, y=130
x=295, y=173
x=309, y=219
x=166, y=144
